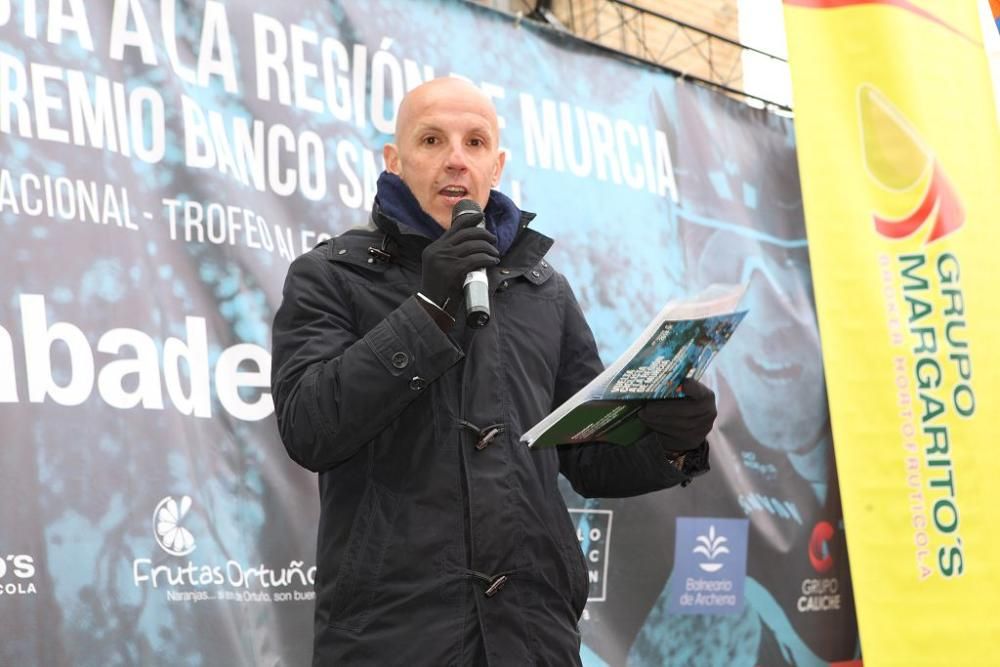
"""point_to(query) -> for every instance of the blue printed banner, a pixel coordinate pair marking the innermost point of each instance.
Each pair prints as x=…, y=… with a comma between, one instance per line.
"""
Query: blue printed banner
x=165, y=161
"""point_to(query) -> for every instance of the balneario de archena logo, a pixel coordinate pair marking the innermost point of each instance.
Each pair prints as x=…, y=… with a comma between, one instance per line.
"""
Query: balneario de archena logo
x=916, y=208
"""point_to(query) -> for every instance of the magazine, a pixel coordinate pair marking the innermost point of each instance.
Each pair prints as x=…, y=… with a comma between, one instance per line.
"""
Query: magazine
x=679, y=343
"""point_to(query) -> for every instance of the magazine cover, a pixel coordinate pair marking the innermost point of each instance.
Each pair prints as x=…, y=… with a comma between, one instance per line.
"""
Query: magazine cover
x=678, y=344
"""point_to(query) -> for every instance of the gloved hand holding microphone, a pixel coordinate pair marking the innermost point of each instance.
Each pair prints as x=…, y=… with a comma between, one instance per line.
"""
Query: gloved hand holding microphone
x=464, y=247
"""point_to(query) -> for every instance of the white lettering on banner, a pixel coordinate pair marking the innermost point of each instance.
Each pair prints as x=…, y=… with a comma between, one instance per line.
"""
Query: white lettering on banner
x=16, y=572
x=111, y=381
x=220, y=224
x=620, y=151
x=229, y=379
x=215, y=58
x=18, y=588
x=699, y=584
x=75, y=21
x=296, y=68
x=38, y=339
x=21, y=566
x=63, y=198
x=214, y=37
x=188, y=596
x=8, y=387
x=105, y=115
x=182, y=358
x=700, y=592
x=66, y=199
x=593, y=532
x=757, y=502
x=357, y=193
x=232, y=573
x=819, y=595
x=123, y=13
x=102, y=114
x=254, y=158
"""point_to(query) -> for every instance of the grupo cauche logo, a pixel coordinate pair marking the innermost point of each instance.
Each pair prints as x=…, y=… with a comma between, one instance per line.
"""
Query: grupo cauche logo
x=820, y=594
x=819, y=548
x=168, y=518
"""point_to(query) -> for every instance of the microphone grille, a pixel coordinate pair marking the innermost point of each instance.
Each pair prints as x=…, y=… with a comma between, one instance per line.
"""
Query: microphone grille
x=465, y=207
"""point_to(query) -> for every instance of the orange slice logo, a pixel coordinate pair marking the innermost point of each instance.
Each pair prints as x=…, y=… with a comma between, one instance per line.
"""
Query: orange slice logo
x=912, y=188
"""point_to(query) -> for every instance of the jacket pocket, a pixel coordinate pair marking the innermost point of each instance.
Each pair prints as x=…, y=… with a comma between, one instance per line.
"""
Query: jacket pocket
x=360, y=572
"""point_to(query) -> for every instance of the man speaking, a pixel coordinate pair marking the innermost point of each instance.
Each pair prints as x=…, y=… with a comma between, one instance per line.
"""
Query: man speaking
x=442, y=539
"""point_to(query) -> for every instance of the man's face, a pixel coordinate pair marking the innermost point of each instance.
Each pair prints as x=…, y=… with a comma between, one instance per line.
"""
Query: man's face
x=447, y=146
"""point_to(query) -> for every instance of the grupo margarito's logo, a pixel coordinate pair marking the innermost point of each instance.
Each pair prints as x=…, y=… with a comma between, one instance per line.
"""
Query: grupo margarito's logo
x=168, y=518
x=907, y=174
x=711, y=546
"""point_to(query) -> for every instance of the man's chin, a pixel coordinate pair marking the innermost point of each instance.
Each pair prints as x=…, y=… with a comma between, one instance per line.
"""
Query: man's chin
x=444, y=221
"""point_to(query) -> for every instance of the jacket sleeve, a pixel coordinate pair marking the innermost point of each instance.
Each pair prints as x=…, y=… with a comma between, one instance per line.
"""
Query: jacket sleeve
x=598, y=469
x=334, y=387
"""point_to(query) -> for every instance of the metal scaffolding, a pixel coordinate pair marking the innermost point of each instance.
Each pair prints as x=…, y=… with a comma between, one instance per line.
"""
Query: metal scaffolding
x=652, y=37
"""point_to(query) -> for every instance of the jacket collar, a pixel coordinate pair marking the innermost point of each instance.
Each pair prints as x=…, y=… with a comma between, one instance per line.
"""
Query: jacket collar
x=385, y=242
x=396, y=205
x=395, y=201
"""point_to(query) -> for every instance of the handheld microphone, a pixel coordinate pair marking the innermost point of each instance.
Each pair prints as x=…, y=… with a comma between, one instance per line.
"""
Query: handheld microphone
x=476, y=287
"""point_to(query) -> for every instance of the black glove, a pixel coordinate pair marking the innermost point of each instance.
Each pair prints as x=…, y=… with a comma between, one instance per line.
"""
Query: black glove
x=462, y=248
x=681, y=424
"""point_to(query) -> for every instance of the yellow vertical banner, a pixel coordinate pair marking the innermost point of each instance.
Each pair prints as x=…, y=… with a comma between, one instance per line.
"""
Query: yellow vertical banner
x=899, y=157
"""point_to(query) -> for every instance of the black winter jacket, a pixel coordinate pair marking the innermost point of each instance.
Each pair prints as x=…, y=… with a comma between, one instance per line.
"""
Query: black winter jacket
x=436, y=524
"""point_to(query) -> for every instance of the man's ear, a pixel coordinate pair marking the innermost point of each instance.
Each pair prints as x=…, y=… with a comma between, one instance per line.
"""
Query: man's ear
x=390, y=154
x=498, y=168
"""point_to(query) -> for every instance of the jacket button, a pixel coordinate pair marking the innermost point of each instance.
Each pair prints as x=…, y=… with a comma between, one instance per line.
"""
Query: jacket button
x=486, y=436
x=417, y=383
x=496, y=585
x=504, y=271
x=400, y=360
x=342, y=251
x=535, y=273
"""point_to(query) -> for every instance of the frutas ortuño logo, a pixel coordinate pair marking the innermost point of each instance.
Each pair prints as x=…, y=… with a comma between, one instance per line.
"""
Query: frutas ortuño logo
x=172, y=537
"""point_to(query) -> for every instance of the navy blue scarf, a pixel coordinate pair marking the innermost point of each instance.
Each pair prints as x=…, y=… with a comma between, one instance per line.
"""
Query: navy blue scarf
x=395, y=199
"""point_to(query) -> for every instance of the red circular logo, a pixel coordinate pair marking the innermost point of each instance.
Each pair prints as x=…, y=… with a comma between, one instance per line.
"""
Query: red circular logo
x=819, y=552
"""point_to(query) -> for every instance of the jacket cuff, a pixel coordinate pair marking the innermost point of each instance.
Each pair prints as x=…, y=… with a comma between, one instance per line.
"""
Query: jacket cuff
x=408, y=341
x=441, y=318
x=692, y=463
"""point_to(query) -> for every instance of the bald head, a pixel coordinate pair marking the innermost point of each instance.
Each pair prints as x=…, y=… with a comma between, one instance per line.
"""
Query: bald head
x=447, y=146
x=444, y=88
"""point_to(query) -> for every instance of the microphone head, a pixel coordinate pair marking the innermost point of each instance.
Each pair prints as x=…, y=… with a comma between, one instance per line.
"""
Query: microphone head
x=464, y=209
